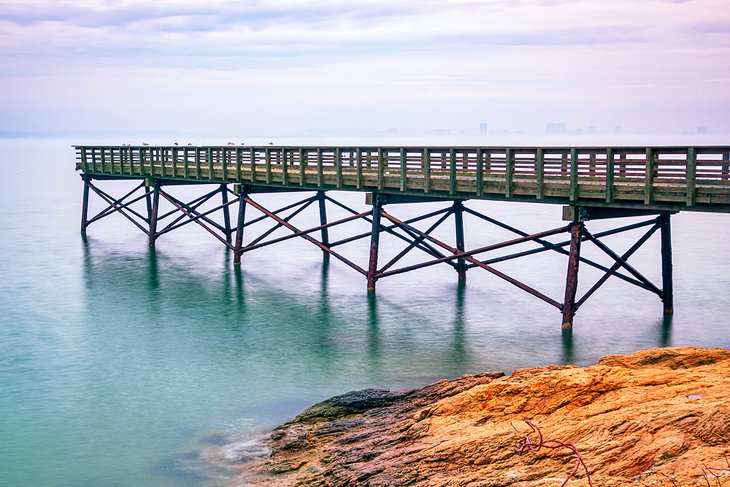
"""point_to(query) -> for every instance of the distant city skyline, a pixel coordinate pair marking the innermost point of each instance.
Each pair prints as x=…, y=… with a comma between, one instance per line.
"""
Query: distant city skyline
x=292, y=66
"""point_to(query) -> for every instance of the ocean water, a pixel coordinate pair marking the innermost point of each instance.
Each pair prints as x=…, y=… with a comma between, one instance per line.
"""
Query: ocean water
x=122, y=365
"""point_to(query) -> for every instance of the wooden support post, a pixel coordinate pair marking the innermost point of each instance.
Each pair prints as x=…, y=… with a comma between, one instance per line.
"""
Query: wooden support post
x=458, y=211
x=85, y=206
x=374, y=243
x=509, y=172
x=480, y=172
x=242, y=195
x=571, y=282
x=610, y=159
x=155, y=212
x=573, y=174
x=323, y=222
x=667, y=284
x=540, y=173
x=226, y=212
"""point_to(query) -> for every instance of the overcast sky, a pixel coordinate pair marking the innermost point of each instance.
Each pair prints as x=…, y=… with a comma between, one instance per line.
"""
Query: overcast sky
x=284, y=66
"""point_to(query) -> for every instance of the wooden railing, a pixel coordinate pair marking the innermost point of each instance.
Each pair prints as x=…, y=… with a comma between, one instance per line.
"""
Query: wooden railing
x=695, y=178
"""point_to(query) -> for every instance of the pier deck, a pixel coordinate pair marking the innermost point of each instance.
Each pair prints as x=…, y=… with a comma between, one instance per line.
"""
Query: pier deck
x=592, y=182
x=664, y=178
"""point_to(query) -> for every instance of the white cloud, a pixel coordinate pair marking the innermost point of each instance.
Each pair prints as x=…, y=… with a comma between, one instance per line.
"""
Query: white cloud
x=426, y=62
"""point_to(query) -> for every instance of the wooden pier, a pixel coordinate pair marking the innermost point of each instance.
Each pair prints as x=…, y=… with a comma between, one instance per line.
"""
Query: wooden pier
x=591, y=182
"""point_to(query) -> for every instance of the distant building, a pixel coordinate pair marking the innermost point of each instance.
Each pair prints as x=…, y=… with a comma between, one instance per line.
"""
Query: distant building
x=592, y=129
x=441, y=132
x=483, y=128
x=555, y=128
x=701, y=130
x=391, y=131
x=617, y=129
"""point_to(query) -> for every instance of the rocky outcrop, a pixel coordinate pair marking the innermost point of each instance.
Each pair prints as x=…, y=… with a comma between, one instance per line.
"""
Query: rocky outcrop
x=656, y=417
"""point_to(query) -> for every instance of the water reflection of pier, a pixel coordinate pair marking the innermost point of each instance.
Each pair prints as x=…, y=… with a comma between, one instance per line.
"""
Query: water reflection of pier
x=593, y=184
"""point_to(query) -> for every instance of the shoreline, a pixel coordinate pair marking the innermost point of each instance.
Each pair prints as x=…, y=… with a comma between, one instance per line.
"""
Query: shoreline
x=649, y=418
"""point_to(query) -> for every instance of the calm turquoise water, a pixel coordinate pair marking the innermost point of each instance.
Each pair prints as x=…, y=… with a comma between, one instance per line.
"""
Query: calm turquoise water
x=122, y=366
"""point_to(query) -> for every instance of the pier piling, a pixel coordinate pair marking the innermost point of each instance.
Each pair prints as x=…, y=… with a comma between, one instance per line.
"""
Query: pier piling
x=458, y=210
x=571, y=281
x=374, y=243
x=242, y=195
x=323, y=222
x=85, y=206
x=155, y=212
x=667, y=278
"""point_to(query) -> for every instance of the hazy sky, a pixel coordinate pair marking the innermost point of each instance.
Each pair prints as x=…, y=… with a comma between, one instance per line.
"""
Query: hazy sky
x=265, y=66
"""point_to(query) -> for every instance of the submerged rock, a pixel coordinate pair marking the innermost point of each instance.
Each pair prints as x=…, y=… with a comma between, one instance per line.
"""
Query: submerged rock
x=656, y=417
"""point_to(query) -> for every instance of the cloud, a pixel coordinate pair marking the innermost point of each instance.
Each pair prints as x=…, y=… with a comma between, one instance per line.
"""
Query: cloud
x=711, y=27
x=483, y=54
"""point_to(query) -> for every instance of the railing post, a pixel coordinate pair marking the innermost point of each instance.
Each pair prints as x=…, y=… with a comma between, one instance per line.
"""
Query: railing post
x=242, y=195
x=571, y=281
x=426, y=166
x=509, y=172
x=573, y=174
x=691, y=175
x=649, y=180
x=452, y=172
x=374, y=243
x=323, y=221
x=667, y=284
x=480, y=173
x=610, y=160
x=458, y=210
x=403, y=169
x=540, y=173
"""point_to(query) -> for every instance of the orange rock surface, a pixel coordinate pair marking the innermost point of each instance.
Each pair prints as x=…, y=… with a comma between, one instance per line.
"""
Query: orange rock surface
x=658, y=417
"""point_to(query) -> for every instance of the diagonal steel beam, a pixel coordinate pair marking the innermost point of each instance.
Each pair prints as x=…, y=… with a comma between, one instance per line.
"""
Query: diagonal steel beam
x=468, y=255
x=305, y=236
x=300, y=233
x=196, y=218
x=194, y=214
x=305, y=205
x=117, y=203
x=194, y=204
x=176, y=223
x=390, y=229
x=112, y=202
x=276, y=212
x=416, y=241
x=559, y=247
x=617, y=265
x=623, y=263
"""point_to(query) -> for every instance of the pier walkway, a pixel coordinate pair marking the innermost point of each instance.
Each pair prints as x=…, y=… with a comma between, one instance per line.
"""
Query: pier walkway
x=591, y=183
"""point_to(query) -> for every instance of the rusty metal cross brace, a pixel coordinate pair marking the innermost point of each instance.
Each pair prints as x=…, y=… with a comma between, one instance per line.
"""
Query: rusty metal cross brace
x=115, y=205
x=466, y=255
x=559, y=247
x=390, y=229
x=193, y=205
x=622, y=261
x=282, y=222
x=207, y=223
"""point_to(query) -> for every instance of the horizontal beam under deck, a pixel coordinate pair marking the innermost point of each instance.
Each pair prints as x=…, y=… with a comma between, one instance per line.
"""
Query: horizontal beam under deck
x=639, y=178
